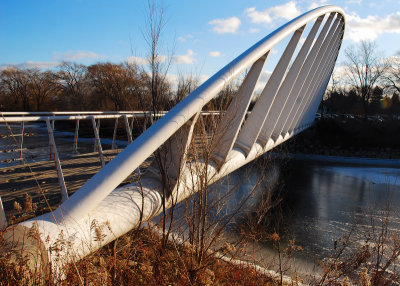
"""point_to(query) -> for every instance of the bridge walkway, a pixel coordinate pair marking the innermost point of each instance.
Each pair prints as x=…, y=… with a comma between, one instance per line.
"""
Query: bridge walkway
x=39, y=180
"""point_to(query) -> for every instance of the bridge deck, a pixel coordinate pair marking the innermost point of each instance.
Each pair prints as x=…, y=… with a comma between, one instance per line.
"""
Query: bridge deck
x=39, y=180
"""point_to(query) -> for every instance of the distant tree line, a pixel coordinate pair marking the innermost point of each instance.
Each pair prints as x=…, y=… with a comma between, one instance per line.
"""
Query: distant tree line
x=72, y=86
x=101, y=86
x=368, y=84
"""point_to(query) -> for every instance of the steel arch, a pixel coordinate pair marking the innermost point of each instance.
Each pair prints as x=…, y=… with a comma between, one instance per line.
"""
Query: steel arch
x=286, y=106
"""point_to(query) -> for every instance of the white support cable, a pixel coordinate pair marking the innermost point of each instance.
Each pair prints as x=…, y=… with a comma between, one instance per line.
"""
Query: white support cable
x=229, y=126
x=293, y=74
x=252, y=127
x=302, y=95
x=321, y=83
x=268, y=129
x=315, y=70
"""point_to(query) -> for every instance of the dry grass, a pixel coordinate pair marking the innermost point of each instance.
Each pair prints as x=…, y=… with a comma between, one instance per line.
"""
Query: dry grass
x=136, y=259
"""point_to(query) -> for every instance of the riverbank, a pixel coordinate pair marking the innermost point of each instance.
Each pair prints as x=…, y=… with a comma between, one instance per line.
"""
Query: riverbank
x=349, y=160
x=348, y=137
x=139, y=258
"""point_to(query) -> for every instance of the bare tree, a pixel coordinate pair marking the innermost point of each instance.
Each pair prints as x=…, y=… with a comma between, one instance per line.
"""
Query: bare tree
x=159, y=63
x=42, y=86
x=15, y=84
x=224, y=98
x=364, y=69
x=72, y=78
x=119, y=83
x=186, y=84
x=158, y=87
x=392, y=75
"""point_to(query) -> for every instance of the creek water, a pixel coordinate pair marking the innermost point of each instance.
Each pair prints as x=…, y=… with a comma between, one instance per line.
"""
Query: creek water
x=324, y=201
x=321, y=202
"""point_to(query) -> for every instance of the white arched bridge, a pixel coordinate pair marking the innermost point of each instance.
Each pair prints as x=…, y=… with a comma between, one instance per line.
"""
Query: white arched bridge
x=286, y=106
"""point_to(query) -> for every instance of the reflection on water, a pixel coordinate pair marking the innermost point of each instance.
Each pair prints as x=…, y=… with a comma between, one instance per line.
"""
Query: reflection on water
x=323, y=201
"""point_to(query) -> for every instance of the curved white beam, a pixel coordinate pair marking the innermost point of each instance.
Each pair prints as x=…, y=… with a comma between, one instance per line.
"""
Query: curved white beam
x=104, y=182
x=123, y=209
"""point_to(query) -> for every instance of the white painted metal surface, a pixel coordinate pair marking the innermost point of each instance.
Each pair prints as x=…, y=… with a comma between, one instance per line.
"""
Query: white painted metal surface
x=284, y=109
x=60, y=175
x=3, y=219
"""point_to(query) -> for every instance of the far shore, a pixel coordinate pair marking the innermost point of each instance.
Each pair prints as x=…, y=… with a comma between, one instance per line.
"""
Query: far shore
x=381, y=162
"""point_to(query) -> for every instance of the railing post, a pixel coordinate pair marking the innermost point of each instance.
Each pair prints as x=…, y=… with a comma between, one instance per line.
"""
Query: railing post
x=3, y=219
x=50, y=146
x=113, y=145
x=128, y=130
x=97, y=140
x=131, y=125
x=75, y=149
x=61, y=181
x=96, y=146
x=145, y=121
x=21, y=141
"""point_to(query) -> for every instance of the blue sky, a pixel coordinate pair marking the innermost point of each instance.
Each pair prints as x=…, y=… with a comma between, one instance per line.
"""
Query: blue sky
x=203, y=35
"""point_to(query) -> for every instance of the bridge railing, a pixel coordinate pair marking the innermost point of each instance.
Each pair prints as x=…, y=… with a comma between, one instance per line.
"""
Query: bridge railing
x=16, y=127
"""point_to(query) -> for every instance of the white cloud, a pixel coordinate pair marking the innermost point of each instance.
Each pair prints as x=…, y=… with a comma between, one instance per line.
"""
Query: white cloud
x=137, y=60
x=394, y=59
x=316, y=4
x=185, y=38
x=369, y=28
x=265, y=75
x=40, y=65
x=187, y=58
x=254, y=30
x=173, y=79
x=144, y=61
x=225, y=26
x=78, y=55
x=358, y=2
x=215, y=54
x=286, y=11
x=31, y=65
x=57, y=59
x=203, y=78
